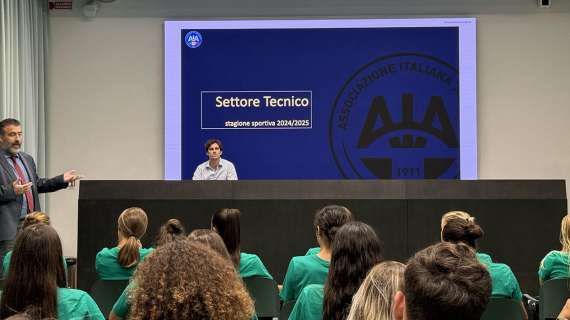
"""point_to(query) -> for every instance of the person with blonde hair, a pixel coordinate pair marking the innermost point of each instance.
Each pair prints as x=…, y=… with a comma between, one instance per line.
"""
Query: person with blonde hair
x=374, y=298
x=462, y=228
x=556, y=264
x=118, y=263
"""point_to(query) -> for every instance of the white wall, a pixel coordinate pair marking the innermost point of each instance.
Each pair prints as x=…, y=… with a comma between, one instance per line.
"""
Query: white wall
x=105, y=102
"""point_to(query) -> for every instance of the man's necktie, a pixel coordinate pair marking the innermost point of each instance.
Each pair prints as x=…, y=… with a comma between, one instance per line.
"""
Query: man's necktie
x=22, y=177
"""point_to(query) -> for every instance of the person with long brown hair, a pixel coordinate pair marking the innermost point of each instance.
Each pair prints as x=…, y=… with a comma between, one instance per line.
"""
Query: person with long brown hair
x=226, y=222
x=187, y=280
x=355, y=250
x=36, y=280
x=460, y=227
x=313, y=268
x=556, y=264
x=374, y=298
x=30, y=219
x=119, y=262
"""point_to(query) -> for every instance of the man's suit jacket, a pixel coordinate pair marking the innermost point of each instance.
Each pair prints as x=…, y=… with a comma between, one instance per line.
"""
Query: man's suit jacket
x=10, y=203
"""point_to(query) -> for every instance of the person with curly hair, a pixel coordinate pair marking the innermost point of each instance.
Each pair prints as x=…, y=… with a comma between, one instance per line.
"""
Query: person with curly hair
x=36, y=280
x=226, y=222
x=187, y=280
x=355, y=250
x=119, y=262
x=313, y=268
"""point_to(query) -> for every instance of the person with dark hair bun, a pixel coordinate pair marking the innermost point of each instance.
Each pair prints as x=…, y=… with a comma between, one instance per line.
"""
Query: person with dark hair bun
x=464, y=229
x=36, y=280
x=171, y=230
x=226, y=222
x=355, y=250
x=314, y=268
x=119, y=263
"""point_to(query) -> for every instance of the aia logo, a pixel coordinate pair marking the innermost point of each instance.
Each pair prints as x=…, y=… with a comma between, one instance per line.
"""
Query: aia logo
x=398, y=118
x=193, y=39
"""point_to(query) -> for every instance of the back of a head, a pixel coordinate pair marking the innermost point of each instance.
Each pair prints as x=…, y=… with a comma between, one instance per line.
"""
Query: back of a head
x=373, y=300
x=462, y=230
x=187, y=280
x=226, y=222
x=171, y=230
x=132, y=224
x=35, y=272
x=210, y=239
x=329, y=219
x=445, y=281
x=35, y=218
x=355, y=250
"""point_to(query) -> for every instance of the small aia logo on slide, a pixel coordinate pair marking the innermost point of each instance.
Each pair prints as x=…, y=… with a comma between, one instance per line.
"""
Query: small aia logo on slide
x=397, y=117
x=193, y=39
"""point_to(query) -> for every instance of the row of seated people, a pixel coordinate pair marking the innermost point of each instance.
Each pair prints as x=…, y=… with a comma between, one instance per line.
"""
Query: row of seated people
x=357, y=251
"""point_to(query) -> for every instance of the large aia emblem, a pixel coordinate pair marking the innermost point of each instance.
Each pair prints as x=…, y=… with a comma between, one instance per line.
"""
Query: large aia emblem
x=397, y=117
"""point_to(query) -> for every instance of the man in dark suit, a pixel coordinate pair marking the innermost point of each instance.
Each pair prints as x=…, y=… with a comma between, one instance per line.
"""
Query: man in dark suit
x=19, y=183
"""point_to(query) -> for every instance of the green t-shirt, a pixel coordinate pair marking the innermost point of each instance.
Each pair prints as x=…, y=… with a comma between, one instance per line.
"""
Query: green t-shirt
x=74, y=304
x=505, y=284
x=309, y=306
x=312, y=251
x=121, y=306
x=302, y=271
x=554, y=265
x=108, y=267
x=6, y=264
x=251, y=266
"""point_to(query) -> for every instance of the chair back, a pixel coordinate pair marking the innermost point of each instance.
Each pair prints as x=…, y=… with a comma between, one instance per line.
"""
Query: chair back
x=503, y=309
x=106, y=292
x=553, y=295
x=286, y=309
x=265, y=295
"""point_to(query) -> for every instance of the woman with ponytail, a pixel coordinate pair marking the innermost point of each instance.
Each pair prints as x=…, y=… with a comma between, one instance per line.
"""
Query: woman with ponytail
x=556, y=264
x=118, y=263
x=226, y=222
x=313, y=268
x=460, y=227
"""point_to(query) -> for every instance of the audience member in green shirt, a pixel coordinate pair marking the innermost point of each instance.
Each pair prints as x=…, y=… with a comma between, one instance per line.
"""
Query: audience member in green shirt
x=555, y=264
x=313, y=269
x=40, y=286
x=119, y=263
x=460, y=227
x=355, y=250
x=226, y=222
x=187, y=280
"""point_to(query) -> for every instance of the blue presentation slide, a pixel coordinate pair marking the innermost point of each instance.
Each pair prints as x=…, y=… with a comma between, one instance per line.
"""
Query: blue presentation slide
x=323, y=103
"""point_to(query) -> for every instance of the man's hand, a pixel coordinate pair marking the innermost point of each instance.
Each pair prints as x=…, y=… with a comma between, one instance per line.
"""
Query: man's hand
x=70, y=177
x=20, y=188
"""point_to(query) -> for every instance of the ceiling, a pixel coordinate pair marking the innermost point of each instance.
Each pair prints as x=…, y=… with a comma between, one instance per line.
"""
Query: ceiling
x=310, y=8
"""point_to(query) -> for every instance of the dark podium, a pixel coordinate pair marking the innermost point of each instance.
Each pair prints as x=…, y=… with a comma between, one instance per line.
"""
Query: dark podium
x=521, y=218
